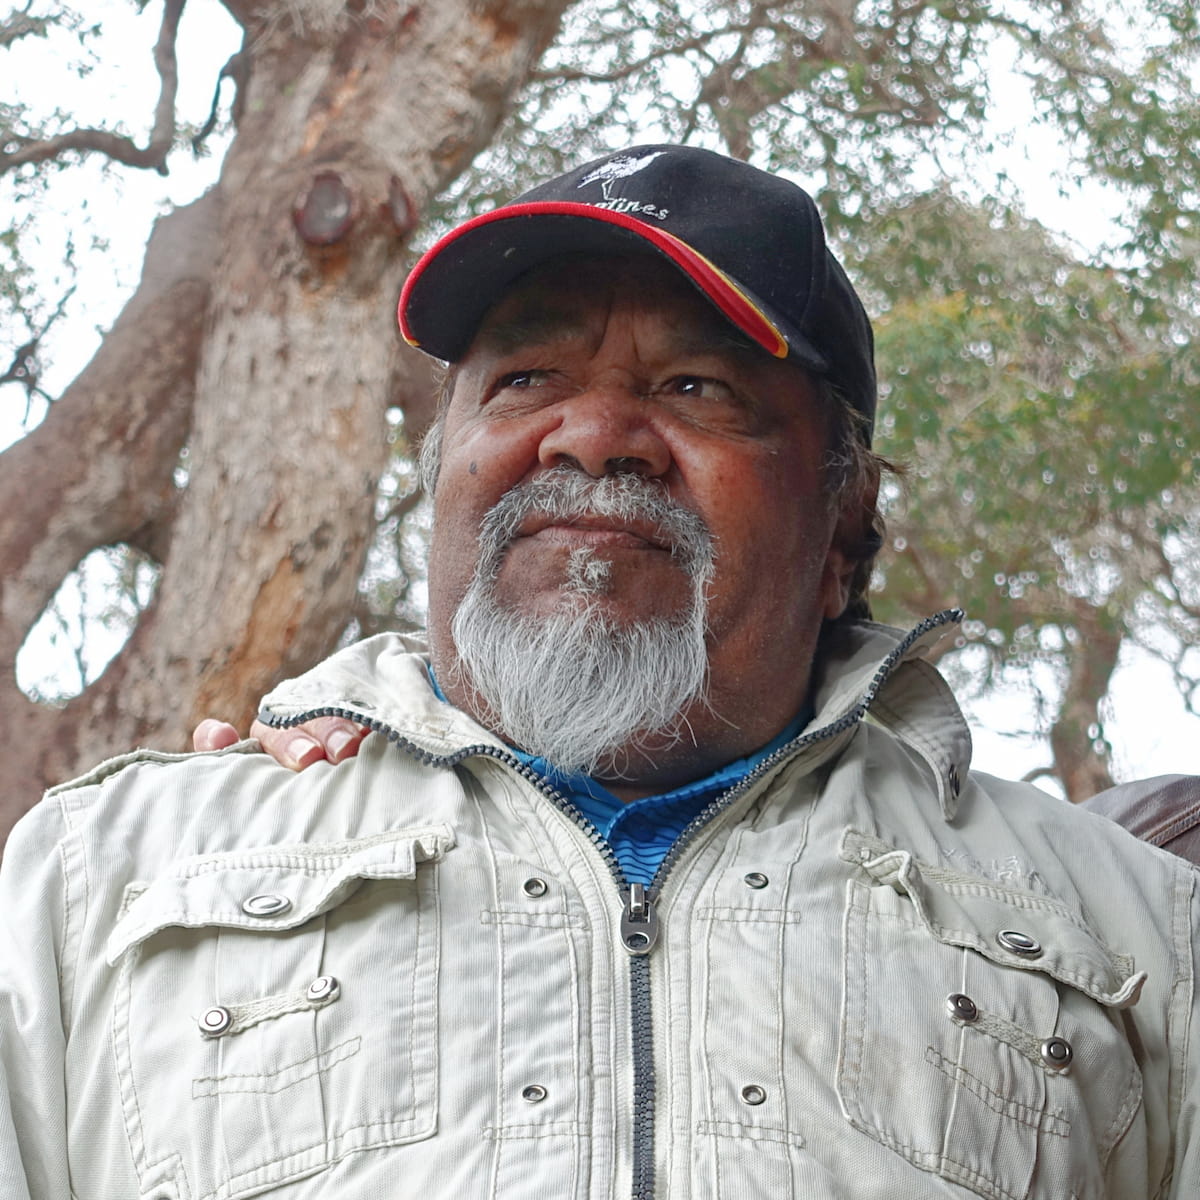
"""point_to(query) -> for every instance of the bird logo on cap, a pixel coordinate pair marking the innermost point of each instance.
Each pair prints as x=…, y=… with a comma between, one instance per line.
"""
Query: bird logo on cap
x=620, y=167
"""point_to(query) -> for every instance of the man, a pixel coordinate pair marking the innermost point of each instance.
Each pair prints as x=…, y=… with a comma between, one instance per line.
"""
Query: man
x=661, y=874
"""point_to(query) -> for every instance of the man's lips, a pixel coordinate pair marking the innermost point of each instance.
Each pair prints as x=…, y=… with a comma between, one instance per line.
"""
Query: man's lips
x=593, y=531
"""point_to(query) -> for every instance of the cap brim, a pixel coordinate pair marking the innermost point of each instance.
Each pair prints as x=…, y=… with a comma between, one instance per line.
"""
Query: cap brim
x=461, y=276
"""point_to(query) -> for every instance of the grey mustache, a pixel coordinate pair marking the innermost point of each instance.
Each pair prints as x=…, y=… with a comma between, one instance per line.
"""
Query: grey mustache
x=566, y=493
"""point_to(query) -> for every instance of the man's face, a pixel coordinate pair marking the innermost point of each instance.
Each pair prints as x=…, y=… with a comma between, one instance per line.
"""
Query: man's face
x=603, y=367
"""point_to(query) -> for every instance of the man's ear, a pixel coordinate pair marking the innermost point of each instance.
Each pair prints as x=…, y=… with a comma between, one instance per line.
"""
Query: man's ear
x=854, y=542
x=835, y=584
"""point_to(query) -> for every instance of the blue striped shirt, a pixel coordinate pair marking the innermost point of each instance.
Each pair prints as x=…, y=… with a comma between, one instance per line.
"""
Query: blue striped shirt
x=641, y=832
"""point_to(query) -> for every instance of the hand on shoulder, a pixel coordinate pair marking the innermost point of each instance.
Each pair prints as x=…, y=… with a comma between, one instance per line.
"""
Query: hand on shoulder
x=331, y=739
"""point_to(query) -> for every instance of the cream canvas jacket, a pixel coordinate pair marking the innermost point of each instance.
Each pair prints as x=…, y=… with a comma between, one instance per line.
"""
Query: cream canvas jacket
x=868, y=974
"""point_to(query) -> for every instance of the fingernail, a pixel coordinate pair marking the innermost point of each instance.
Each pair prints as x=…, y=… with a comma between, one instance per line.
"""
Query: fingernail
x=300, y=751
x=338, y=741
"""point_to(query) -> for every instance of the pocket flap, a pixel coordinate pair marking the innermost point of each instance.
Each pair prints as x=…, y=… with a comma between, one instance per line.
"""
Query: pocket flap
x=1011, y=926
x=269, y=888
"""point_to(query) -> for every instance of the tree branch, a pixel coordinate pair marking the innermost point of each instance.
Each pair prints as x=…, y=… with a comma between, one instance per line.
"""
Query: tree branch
x=25, y=366
x=1038, y=773
x=19, y=24
x=167, y=66
x=113, y=145
x=581, y=75
x=402, y=506
x=1164, y=583
x=1082, y=769
x=100, y=467
x=933, y=592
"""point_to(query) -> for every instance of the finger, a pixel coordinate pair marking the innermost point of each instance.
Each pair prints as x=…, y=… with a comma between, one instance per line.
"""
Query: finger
x=341, y=738
x=212, y=734
x=292, y=748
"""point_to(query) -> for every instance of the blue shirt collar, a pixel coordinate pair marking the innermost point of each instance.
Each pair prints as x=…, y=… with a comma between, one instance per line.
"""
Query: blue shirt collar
x=579, y=785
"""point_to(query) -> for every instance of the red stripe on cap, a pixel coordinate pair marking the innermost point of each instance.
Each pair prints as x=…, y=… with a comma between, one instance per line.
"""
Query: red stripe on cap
x=716, y=285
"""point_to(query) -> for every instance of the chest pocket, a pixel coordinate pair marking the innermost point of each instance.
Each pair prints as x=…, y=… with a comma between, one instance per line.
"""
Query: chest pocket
x=981, y=1033
x=277, y=1010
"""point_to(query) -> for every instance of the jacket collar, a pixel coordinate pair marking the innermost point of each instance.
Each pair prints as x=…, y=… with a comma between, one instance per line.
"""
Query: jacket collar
x=861, y=668
x=865, y=668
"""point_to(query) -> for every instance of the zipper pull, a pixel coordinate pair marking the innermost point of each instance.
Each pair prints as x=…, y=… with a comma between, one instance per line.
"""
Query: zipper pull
x=639, y=921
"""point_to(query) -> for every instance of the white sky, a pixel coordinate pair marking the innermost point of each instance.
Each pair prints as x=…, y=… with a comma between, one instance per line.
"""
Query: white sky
x=1148, y=726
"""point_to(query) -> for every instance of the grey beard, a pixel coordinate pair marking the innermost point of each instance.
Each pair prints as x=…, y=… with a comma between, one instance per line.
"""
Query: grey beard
x=586, y=693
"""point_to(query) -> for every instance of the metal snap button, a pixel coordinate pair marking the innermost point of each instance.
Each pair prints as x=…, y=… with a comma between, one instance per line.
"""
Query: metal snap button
x=752, y=1093
x=533, y=1094
x=324, y=987
x=1057, y=1053
x=216, y=1021
x=268, y=904
x=756, y=880
x=1019, y=943
x=962, y=1007
x=535, y=887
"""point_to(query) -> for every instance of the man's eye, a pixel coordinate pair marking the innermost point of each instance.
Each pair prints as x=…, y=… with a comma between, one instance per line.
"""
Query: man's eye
x=698, y=386
x=520, y=379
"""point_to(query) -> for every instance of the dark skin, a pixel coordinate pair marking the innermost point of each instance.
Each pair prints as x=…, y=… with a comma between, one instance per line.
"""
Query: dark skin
x=621, y=365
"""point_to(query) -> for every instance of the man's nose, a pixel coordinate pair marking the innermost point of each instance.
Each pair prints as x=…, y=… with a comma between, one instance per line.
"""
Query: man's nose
x=605, y=430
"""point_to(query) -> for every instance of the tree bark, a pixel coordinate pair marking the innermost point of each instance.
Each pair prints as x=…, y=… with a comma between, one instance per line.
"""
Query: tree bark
x=1082, y=770
x=276, y=359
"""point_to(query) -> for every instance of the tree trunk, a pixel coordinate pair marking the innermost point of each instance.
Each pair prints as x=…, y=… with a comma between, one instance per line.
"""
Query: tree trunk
x=1080, y=766
x=271, y=349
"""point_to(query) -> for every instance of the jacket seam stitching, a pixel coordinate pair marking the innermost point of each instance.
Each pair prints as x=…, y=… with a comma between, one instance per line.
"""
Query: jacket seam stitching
x=1039, y=1120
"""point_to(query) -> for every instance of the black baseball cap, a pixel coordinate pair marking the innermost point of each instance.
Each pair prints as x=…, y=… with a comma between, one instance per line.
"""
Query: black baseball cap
x=752, y=242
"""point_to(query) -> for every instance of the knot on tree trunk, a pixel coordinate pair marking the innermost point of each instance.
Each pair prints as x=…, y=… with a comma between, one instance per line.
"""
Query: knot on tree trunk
x=327, y=211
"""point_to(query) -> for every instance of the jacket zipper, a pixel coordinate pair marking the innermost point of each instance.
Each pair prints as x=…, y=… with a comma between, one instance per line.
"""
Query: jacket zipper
x=639, y=924
x=639, y=915
x=639, y=920
x=802, y=742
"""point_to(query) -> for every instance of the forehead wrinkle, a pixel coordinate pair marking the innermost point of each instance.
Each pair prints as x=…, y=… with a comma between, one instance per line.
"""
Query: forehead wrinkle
x=533, y=323
x=561, y=309
x=713, y=337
